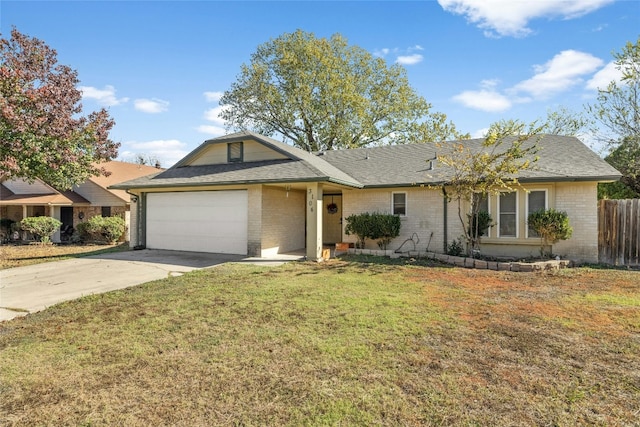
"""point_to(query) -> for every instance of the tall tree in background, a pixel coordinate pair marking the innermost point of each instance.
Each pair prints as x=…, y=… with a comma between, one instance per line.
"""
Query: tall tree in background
x=566, y=122
x=42, y=130
x=617, y=107
x=323, y=94
x=617, y=110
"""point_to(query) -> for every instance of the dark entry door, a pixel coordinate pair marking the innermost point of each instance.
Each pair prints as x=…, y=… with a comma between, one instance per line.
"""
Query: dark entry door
x=66, y=217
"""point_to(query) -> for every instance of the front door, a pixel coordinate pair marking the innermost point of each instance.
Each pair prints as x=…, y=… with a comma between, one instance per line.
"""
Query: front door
x=66, y=217
x=332, y=219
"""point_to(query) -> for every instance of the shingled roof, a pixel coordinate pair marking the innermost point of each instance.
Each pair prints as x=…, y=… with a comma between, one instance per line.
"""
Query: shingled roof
x=561, y=158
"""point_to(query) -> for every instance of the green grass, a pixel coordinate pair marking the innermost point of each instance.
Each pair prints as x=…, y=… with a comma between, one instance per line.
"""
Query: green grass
x=338, y=343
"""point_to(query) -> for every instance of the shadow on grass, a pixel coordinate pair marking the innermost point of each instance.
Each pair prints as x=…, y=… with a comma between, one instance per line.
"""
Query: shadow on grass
x=102, y=250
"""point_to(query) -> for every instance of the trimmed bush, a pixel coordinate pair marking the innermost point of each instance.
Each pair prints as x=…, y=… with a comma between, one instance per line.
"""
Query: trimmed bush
x=41, y=226
x=551, y=225
x=377, y=226
x=102, y=229
x=384, y=228
x=360, y=226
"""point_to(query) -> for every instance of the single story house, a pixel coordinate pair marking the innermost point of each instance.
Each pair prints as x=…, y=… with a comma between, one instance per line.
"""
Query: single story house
x=245, y=193
x=21, y=199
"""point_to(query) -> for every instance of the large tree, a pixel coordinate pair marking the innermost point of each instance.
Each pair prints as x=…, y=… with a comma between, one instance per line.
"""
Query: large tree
x=617, y=107
x=617, y=110
x=322, y=94
x=44, y=134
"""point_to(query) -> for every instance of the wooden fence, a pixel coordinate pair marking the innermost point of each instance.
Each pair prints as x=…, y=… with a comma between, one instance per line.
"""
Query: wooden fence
x=619, y=232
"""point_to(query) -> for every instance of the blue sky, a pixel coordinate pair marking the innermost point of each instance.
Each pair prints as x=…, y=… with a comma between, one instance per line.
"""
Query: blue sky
x=160, y=66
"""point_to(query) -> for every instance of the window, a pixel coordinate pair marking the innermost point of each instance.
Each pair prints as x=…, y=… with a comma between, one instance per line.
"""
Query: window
x=483, y=206
x=399, y=202
x=536, y=200
x=508, y=218
x=234, y=152
x=106, y=211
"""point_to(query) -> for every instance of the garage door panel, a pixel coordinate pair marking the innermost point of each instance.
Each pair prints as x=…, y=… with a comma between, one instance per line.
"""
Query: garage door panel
x=203, y=221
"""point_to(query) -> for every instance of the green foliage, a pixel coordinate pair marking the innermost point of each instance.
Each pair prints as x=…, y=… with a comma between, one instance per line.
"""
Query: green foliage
x=377, y=226
x=359, y=225
x=566, y=122
x=102, y=229
x=455, y=248
x=44, y=134
x=479, y=223
x=322, y=94
x=551, y=225
x=509, y=148
x=385, y=227
x=42, y=226
x=617, y=106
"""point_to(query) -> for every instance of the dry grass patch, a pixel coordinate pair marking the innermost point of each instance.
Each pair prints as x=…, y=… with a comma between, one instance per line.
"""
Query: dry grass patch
x=20, y=255
x=343, y=342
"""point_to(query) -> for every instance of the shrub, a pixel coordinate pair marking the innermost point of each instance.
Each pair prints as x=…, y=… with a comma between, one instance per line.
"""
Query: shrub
x=102, y=229
x=41, y=226
x=377, y=226
x=484, y=221
x=360, y=226
x=455, y=248
x=551, y=225
x=384, y=228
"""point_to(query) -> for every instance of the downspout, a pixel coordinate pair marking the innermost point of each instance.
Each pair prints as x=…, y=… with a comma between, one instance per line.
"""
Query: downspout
x=445, y=224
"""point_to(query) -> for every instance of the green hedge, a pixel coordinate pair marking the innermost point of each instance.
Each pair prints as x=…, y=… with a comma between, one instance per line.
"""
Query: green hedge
x=377, y=226
x=102, y=229
x=41, y=226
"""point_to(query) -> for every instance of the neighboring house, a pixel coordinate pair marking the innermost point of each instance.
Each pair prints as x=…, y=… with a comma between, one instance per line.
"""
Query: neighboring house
x=249, y=194
x=20, y=199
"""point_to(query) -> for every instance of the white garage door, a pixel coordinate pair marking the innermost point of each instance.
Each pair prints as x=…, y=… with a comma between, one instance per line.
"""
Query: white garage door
x=198, y=221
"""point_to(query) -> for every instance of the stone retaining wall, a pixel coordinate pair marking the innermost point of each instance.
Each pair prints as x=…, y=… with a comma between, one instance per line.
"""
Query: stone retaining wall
x=471, y=262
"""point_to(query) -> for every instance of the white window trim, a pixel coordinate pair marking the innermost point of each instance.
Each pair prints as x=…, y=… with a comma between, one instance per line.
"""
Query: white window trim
x=517, y=215
x=526, y=209
x=406, y=203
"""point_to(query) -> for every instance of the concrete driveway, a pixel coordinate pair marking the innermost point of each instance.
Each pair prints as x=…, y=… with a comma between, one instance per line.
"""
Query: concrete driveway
x=33, y=288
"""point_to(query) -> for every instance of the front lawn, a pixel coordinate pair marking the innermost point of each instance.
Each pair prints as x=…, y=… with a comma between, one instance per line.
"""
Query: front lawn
x=19, y=255
x=339, y=343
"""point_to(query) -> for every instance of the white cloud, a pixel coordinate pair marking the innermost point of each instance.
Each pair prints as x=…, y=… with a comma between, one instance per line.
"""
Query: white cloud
x=511, y=17
x=213, y=96
x=484, y=100
x=602, y=78
x=106, y=97
x=211, y=130
x=151, y=106
x=167, y=151
x=213, y=113
x=382, y=52
x=563, y=71
x=409, y=59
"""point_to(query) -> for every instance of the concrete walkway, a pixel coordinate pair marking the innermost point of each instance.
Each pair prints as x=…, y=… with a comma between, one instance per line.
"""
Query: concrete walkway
x=25, y=290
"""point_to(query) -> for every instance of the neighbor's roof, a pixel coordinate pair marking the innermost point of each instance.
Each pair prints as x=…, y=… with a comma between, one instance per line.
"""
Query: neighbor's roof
x=561, y=158
x=65, y=198
x=120, y=172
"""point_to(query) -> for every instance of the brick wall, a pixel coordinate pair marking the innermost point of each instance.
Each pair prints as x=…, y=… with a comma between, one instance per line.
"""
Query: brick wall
x=424, y=216
x=254, y=218
x=283, y=220
x=580, y=201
